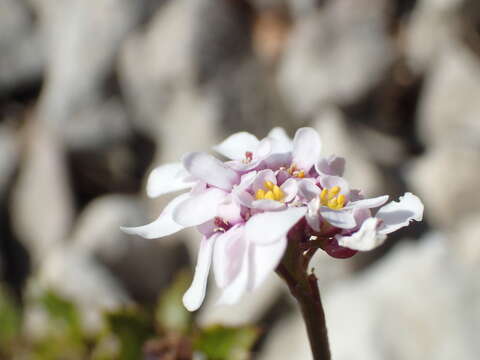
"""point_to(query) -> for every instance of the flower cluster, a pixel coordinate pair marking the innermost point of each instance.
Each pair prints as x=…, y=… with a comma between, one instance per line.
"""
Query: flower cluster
x=245, y=207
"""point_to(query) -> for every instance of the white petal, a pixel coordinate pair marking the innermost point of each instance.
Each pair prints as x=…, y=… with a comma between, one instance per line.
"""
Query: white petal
x=168, y=178
x=264, y=148
x=368, y=203
x=290, y=189
x=199, y=208
x=265, y=259
x=236, y=145
x=228, y=254
x=308, y=190
x=306, y=148
x=333, y=165
x=365, y=239
x=194, y=296
x=269, y=227
x=235, y=290
x=281, y=142
x=211, y=170
x=396, y=215
x=164, y=225
x=267, y=205
x=328, y=182
x=343, y=219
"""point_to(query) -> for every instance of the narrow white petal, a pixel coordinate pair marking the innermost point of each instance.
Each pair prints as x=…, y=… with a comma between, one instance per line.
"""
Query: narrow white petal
x=228, y=254
x=168, y=178
x=365, y=239
x=199, y=208
x=211, y=170
x=306, y=148
x=195, y=294
x=396, y=215
x=368, y=203
x=281, y=142
x=237, y=288
x=164, y=225
x=343, y=219
x=269, y=227
x=265, y=259
x=235, y=146
x=308, y=190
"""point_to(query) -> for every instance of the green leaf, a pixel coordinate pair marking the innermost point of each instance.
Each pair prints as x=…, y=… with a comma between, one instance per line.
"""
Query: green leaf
x=10, y=320
x=132, y=328
x=226, y=343
x=170, y=314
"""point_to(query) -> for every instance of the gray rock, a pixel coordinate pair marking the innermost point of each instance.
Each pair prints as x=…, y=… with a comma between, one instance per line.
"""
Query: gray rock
x=449, y=107
x=335, y=55
x=21, y=51
x=41, y=204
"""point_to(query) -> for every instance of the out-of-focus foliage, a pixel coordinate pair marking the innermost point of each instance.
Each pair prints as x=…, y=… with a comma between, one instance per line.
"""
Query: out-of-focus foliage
x=164, y=332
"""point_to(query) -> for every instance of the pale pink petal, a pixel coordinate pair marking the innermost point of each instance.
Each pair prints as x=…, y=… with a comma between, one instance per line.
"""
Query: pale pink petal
x=262, y=177
x=329, y=182
x=199, y=208
x=237, y=288
x=168, y=178
x=396, y=215
x=308, y=190
x=265, y=259
x=264, y=149
x=312, y=215
x=290, y=189
x=269, y=227
x=229, y=211
x=236, y=145
x=211, y=170
x=164, y=225
x=241, y=166
x=267, y=205
x=228, y=255
x=332, y=165
x=194, y=296
x=306, y=148
x=277, y=161
x=281, y=142
x=365, y=239
x=368, y=203
x=343, y=219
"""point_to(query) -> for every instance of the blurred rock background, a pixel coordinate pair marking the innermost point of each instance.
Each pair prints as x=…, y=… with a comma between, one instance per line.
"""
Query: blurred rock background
x=95, y=93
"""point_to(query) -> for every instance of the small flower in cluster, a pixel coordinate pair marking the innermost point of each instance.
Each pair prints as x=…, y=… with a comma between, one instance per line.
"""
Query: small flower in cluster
x=245, y=207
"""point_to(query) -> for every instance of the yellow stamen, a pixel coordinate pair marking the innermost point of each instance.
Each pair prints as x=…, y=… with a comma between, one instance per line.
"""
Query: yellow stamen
x=323, y=197
x=300, y=174
x=278, y=193
x=260, y=194
x=269, y=185
x=330, y=198
x=341, y=201
x=269, y=195
x=332, y=203
x=333, y=192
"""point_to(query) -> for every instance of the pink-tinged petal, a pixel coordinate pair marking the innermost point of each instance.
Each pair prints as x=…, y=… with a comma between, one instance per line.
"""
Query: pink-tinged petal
x=240, y=192
x=164, y=225
x=332, y=165
x=228, y=255
x=199, y=208
x=168, y=178
x=241, y=166
x=265, y=258
x=211, y=170
x=365, y=239
x=269, y=227
x=262, y=177
x=306, y=148
x=230, y=211
x=368, y=203
x=281, y=142
x=236, y=145
x=342, y=219
x=328, y=182
x=264, y=149
x=194, y=296
x=267, y=205
x=277, y=161
x=208, y=228
x=308, y=190
x=237, y=288
x=290, y=189
x=312, y=216
x=396, y=215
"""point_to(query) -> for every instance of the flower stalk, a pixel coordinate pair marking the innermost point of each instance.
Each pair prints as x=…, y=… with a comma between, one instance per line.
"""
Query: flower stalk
x=293, y=269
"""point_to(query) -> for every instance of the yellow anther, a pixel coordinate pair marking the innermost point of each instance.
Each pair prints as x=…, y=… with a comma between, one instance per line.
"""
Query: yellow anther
x=277, y=193
x=323, y=197
x=269, y=185
x=269, y=195
x=300, y=174
x=333, y=192
x=260, y=194
x=341, y=201
x=332, y=203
